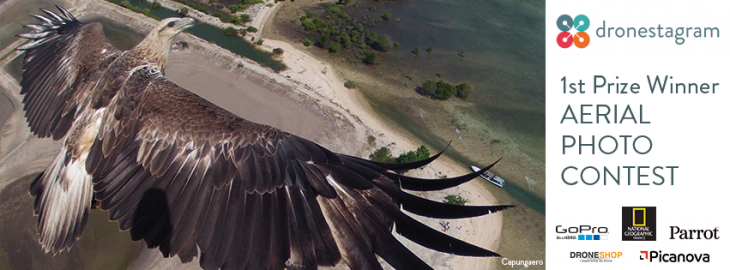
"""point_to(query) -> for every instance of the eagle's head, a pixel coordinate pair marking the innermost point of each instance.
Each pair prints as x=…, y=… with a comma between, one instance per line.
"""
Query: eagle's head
x=156, y=46
x=170, y=27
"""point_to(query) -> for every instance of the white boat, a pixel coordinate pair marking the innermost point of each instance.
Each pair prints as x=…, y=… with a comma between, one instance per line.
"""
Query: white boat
x=490, y=177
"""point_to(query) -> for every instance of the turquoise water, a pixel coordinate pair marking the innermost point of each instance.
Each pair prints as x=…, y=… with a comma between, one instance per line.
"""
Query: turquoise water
x=504, y=57
x=502, y=43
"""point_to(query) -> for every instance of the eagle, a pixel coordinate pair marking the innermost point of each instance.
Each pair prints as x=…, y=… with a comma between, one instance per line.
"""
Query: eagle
x=193, y=179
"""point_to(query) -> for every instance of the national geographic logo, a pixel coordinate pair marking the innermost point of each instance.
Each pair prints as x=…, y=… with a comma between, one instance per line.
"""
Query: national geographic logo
x=638, y=223
x=581, y=38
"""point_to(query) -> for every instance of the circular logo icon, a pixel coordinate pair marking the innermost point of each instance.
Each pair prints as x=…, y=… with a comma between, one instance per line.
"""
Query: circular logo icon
x=581, y=39
x=565, y=22
x=581, y=22
x=565, y=40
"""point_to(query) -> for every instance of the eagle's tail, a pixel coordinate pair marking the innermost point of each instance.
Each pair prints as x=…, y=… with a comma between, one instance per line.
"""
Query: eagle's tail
x=63, y=195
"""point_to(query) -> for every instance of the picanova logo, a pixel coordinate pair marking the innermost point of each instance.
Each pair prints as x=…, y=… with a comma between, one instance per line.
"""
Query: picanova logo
x=580, y=39
x=679, y=34
x=658, y=256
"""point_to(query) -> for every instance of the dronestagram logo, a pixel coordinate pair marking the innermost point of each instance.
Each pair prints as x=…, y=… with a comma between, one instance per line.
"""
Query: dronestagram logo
x=581, y=38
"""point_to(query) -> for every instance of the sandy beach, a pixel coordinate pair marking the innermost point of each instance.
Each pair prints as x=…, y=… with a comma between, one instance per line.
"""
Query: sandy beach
x=307, y=99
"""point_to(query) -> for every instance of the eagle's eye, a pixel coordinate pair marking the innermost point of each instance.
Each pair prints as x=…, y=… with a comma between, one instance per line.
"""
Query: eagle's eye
x=170, y=24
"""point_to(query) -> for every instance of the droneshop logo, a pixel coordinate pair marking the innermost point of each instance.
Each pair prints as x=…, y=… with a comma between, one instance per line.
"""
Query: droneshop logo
x=581, y=38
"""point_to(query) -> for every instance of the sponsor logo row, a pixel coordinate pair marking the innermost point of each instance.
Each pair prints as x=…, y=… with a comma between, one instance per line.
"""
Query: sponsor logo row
x=652, y=256
x=638, y=223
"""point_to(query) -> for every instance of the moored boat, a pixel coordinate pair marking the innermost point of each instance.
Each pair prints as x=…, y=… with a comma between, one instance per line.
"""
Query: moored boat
x=490, y=177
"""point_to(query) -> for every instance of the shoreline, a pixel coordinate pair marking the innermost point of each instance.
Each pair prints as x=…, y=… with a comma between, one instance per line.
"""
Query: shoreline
x=314, y=84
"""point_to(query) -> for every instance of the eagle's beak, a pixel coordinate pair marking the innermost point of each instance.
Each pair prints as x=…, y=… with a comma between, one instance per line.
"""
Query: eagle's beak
x=187, y=23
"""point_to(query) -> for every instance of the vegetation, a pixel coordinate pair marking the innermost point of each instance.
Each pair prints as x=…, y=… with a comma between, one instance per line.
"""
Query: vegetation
x=259, y=42
x=137, y=9
x=278, y=51
x=343, y=2
x=244, y=4
x=183, y=11
x=334, y=47
x=349, y=84
x=237, y=20
x=463, y=91
x=430, y=49
x=252, y=29
x=383, y=155
x=307, y=42
x=338, y=32
x=230, y=31
x=156, y=4
x=455, y=199
x=416, y=50
x=195, y=5
x=386, y=15
x=245, y=18
x=442, y=90
x=369, y=57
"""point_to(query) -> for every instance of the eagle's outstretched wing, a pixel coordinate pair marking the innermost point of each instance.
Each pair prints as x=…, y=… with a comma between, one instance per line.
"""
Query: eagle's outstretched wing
x=61, y=64
x=251, y=196
x=55, y=66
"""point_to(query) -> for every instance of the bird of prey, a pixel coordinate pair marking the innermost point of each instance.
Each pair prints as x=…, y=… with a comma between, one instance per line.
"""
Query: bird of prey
x=190, y=177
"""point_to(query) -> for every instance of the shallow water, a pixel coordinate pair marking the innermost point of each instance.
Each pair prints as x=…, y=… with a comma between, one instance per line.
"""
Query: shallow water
x=504, y=57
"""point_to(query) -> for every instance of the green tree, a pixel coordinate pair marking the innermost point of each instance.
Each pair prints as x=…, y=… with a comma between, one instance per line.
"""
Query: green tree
x=430, y=49
x=252, y=29
x=230, y=31
x=455, y=199
x=245, y=18
x=369, y=57
x=349, y=84
x=412, y=156
x=382, y=154
x=463, y=91
x=278, y=51
x=307, y=42
x=309, y=14
x=428, y=88
x=183, y=11
x=334, y=47
x=416, y=50
x=345, y=39
x=386, y=15
x=322, y=41
x=156, y=4
x=444, y=90
x=382, y=43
